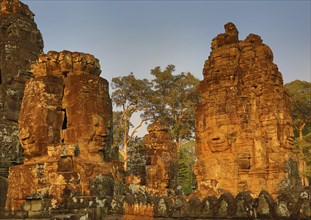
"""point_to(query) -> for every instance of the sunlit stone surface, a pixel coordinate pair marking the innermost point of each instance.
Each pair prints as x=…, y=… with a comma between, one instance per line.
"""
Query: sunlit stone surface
x=66, y=132
x=243, y=121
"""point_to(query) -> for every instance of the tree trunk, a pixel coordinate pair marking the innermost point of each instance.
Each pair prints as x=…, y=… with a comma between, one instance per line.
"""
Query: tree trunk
x=125, y=156
x=300, y=131
x=125, y=141
x=302, y=162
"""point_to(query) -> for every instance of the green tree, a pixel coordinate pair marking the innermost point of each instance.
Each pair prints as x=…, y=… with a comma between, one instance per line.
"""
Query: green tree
x=186, y=160
x=169, y=98
x=138, y=158
x=174, y=101
x=300, y=94
x=129, y=96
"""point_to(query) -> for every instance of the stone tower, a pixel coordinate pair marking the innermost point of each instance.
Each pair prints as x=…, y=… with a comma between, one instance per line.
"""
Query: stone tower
x=243, y=121
x=162, y=171
x=65, y=128
x=20, y=44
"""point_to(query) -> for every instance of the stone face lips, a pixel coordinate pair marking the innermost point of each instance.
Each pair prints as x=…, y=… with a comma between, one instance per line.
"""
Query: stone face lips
x=162, y=171
x=20, y=42
x=243, y=121
x=65, y=130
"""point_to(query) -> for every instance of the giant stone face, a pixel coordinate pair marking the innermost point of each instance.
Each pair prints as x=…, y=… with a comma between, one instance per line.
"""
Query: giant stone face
x=243, y=121
x=67, y=103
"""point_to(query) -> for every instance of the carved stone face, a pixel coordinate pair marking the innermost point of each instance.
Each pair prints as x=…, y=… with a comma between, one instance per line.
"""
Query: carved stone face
x=287, y=135
x=218, y=141
x=219, y=134
x=28, y=142
x=99, y=135
x=40, y=120
x=88, y=114
x=66, y=109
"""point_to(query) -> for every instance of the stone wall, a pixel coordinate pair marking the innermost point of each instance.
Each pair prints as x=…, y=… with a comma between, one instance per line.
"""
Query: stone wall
x=243, y=121
x=3, y=191
x=137, y=203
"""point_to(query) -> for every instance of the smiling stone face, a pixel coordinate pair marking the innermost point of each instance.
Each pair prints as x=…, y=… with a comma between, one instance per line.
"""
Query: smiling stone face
x=66, y=131
x=89, y=113
x=65, y=107
x=243, y=121
x=40, y=118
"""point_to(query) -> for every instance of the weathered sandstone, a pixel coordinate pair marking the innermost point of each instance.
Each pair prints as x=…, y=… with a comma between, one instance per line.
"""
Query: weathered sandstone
x=20, y=42
x=243, y=121
x=162, y=171
x=65, y=129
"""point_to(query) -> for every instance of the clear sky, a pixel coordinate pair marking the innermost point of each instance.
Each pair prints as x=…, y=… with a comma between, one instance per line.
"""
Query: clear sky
x=136, y=36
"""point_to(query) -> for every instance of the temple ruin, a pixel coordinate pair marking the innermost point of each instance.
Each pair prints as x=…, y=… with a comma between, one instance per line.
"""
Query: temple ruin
x=65, y=128
x=68, y=170
x=162, y=171
x=243, y=121
x=20, y=43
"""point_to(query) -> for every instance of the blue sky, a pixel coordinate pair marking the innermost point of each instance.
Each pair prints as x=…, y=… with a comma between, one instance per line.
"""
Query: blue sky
x=136, y=36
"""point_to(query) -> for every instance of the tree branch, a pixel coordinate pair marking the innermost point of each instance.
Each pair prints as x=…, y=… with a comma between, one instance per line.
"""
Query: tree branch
x=138, y=126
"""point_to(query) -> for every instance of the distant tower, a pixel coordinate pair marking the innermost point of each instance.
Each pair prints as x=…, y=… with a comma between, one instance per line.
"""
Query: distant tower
x=20, y=43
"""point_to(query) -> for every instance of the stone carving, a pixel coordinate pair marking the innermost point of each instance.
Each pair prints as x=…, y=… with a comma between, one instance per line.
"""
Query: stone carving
x=162, y=171
x=295, y=204
x=20, y=43
x=243, y=121
x=65, y=129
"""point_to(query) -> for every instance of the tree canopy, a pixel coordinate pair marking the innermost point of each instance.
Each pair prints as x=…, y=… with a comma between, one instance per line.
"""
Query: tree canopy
x=131, y=96
x=168, y=98
x=300, y=94
x=175, y=98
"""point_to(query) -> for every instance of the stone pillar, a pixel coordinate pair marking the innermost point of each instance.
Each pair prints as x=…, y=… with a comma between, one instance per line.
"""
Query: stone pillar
x=20, y=43
x=162, y=171
x=243, y=121
x=66, y=132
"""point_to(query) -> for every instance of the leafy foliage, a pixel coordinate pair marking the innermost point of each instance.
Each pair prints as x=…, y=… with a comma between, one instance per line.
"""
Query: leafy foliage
x=186, y=160
x=169, y=98
x=131, y=95
x=300, y=94
x=137, y=159
x=175, y=99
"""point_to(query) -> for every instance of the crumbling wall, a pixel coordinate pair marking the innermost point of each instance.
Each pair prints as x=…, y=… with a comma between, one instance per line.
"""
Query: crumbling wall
x=137, y=203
